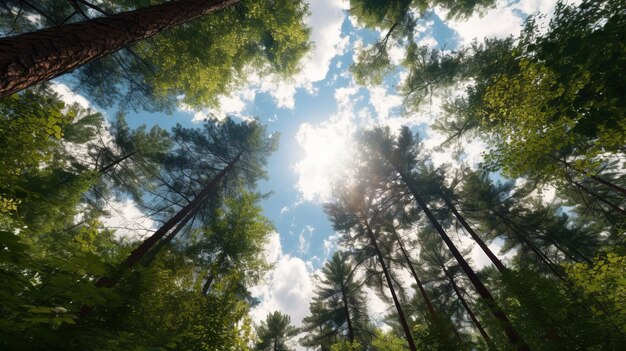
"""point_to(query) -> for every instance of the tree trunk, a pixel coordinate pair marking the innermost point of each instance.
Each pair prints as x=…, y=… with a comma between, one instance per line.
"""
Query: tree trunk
x=405, y=325
x=594, y=177
x=38, y=56
x=599, y=198
x=150, y=256
x=212, y=273
x=106, y=168
x=511, y=225
x=478, y=325
x=143, y=248
x=494, y=259
x=344, y=297
x=429, y=303
x=514, y=338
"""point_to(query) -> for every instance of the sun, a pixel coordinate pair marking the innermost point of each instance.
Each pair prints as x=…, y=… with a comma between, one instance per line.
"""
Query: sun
x=327, y=149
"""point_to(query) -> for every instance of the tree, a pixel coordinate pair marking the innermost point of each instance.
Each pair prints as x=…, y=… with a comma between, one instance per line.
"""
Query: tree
x=400, y=158
x=274, y=333
x=338, y=307
x=200, y=60
x=355, y=213
x=223, y=153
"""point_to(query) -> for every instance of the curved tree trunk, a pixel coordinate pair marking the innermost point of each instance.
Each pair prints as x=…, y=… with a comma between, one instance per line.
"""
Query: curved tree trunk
x=405, y=325
x=514, y=338
x=38, y=56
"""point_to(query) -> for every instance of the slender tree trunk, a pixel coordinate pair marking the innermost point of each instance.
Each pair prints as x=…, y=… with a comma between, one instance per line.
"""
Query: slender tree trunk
x=38, y=56
x=494, y=259
x=547, y=261
x=405, y=325
x=344, y=297
x=609, y=184
x=212, y=273
x=594, y=177
x=477, y=323
x=599, y=198
x=429, y=303
x=143, y=248
x=106, y=168
x=514, y=338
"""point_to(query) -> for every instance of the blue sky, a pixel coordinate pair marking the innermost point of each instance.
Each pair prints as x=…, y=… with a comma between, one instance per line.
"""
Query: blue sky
x=315, y=113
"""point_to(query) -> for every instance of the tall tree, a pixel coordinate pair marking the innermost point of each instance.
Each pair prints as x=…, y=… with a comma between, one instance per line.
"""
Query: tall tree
x=208, y=162
x=200, y=61
x=339, y=304
x=275, y=332
x=400, y=157
x=356, y=213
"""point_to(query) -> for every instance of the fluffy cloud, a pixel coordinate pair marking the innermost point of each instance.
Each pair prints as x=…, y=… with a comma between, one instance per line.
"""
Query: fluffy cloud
x=288, y=287
x=325, y=21
x=503, y=20
x=128, y=221
x=68, y=96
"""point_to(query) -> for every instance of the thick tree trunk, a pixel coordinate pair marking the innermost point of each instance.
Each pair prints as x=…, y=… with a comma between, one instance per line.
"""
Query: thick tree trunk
x=469, y=311
x=514, y=338
x=494, y=259
x=150, y=256
x=38, y=56
x=143, y=248
x=429, y=303
x=344, y=297
x=405, y=325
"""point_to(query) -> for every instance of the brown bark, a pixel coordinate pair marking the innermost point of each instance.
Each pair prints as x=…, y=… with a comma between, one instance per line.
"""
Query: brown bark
x=514, y=338
x=155, y=251
x=38, y=56
x=143, y=248
x=405, y=325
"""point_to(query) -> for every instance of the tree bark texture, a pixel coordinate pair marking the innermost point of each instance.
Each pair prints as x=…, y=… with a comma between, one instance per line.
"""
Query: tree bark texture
x=34, y=57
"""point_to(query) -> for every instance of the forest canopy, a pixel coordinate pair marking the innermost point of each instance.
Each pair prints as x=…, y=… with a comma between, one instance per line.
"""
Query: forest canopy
x=123, y=229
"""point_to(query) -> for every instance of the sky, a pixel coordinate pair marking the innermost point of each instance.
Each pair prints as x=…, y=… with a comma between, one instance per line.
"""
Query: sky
x=315, y=113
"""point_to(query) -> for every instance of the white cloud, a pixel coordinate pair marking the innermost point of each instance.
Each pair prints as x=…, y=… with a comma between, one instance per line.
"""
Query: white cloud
x=303, y=242
x=383, y=102
x=127, y=220
x=288, y=286
x=68, y=96
x=498, y=22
